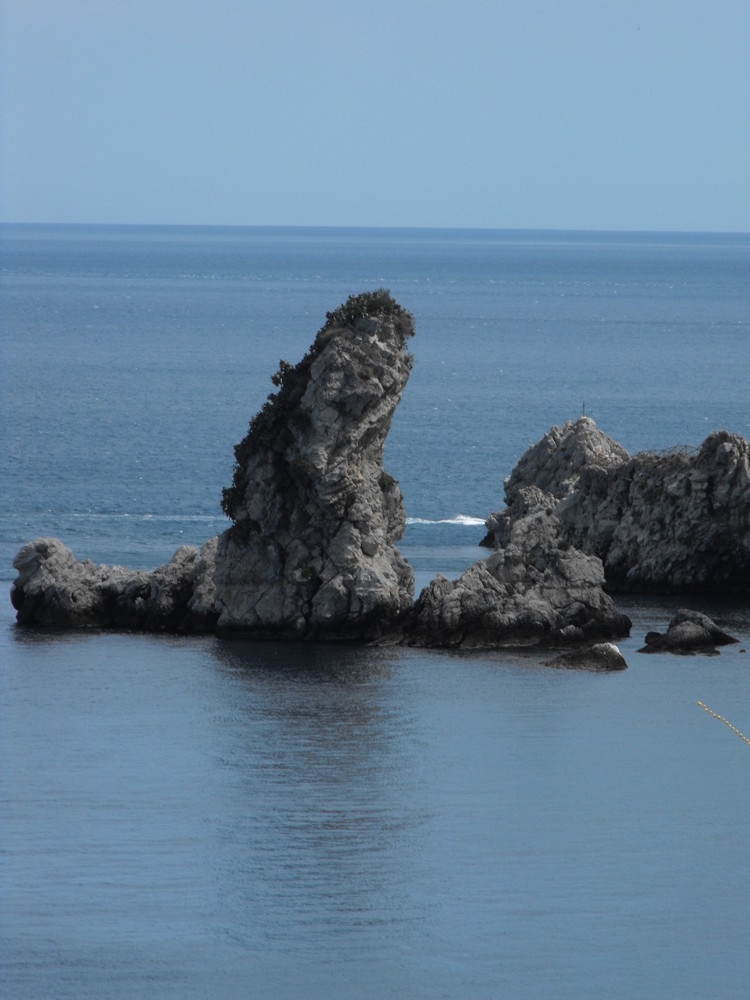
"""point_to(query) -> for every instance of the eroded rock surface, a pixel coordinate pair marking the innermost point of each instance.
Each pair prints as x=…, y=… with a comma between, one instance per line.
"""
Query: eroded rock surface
x=55, y=588
x=534, y=590
x=555, y=463
x=313, y=547
x=669, y=522
x=312, y=551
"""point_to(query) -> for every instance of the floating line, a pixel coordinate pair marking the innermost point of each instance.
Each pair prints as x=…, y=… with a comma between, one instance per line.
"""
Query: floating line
x=725, y=721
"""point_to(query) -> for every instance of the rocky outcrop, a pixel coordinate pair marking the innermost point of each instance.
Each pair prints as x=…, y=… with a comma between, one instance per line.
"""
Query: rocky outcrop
x=55, y=588
x=602, y=657
x=535, y=590
x=688, y=632
x=312, y=550
x=555, y=463
x=669, y=522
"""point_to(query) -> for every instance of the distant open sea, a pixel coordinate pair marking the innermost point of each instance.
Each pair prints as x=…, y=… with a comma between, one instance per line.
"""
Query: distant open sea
x=195, y=817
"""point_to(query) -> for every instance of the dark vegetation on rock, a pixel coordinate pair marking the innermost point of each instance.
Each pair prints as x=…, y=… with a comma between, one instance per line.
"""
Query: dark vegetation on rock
x=312, y=551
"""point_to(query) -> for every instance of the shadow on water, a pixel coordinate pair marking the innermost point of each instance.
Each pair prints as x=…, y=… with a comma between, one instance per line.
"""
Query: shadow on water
x=29, y=636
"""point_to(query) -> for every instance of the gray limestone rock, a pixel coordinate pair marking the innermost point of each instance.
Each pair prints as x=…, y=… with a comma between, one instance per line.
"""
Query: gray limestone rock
x=312, y=551
x=55, y=588
x=601, y=657
x=669, y=522
x=534, y=590
x=555, y=463
x=688, y=632
x=673, y=522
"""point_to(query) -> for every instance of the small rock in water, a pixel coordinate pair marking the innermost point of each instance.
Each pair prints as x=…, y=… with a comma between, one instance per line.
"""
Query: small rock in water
x=688, y=632
x=602, y=656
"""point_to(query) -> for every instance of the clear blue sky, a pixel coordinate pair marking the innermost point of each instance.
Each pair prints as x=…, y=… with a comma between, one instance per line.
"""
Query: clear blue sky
x=586, y=114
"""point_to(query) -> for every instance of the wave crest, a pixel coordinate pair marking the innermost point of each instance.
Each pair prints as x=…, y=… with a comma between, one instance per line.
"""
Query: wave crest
x=463, y=519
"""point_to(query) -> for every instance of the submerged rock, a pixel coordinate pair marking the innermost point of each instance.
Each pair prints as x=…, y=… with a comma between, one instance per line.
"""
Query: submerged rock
x=312, y=551
x=688, y=632
x=535, y=590
x=669, y=522
x=601, y=657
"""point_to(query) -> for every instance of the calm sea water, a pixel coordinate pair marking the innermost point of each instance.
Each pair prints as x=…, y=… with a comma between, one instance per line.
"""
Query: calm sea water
x=197, y=817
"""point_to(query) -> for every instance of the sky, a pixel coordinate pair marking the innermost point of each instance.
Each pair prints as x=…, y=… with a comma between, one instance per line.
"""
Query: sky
x=518, y=114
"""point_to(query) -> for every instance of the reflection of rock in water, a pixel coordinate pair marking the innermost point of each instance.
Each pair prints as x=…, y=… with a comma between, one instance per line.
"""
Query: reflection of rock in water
x=320, y=746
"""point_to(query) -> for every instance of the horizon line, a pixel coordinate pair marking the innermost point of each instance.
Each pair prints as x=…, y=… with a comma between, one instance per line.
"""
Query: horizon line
x=379, y=228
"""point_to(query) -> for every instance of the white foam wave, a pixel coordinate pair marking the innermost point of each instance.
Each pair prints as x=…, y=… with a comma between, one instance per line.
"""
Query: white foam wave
x=463, y=519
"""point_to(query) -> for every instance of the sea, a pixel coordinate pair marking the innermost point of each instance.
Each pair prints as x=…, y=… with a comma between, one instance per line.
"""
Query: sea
x=193, y=817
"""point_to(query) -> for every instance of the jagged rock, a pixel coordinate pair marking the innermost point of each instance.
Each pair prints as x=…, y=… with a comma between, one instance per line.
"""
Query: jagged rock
x=55, y=588
x=312, y=551
x=554, y=464
x=688, y=632
x=602, y=656
x=669, y=522
x=535, y=590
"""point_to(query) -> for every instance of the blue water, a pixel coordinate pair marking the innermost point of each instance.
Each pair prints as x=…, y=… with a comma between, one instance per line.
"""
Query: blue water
x=196, y=817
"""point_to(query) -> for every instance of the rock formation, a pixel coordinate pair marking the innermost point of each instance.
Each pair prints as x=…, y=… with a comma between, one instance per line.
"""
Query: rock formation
x=601, y=657
x=534, y=590
x=312, y=551
x=688, y=632
x=54, y=588
x=555, y=463
x=670, y=522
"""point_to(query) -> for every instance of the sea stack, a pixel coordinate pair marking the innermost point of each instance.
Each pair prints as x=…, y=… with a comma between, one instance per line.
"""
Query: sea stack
x=312, y=551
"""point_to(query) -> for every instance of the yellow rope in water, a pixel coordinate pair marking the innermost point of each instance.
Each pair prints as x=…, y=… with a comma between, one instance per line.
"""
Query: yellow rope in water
x=725, y=721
